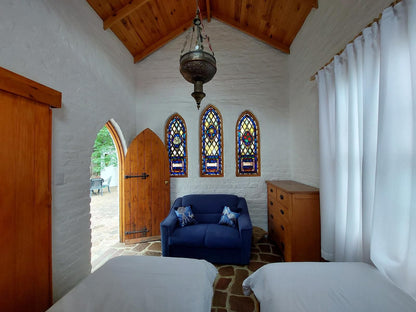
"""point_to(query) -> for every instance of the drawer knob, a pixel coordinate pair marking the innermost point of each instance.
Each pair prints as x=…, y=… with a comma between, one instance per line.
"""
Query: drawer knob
x=282, y=227
x=271, y=216
x=271, y=203
x=271, y=190
x=281, y=196
x=282, y=212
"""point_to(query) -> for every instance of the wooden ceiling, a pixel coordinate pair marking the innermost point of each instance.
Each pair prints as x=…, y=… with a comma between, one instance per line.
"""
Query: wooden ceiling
x=146, y=25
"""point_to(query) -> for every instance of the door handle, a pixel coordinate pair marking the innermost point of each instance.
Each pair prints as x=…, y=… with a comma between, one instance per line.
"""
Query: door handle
x=144, y=176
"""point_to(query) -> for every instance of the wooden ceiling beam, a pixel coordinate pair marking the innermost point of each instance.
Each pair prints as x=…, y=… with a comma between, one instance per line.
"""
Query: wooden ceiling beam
x=276, y=44
x=123, y=12
x=161, y=42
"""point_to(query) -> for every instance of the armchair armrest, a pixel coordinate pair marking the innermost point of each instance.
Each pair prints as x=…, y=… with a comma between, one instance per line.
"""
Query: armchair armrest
x=167, y=226
x=169, y=223
x=246, y=230
x=244, y=221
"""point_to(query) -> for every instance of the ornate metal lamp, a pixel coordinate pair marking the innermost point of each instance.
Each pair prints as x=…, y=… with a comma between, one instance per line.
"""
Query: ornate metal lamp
x=197, y=65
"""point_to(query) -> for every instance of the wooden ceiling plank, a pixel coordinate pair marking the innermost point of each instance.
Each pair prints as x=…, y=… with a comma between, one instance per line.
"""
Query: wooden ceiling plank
x=263, y=16
x=123, y=12
x=237, y=10
x=253, y=13
x=148, y=25
x=104, y=8
x=274, y=43
x=243, y=13
x=164, y=11
x=178, y=12
x=129, y=37
x=145, y=25
x=278, y=21
x=208, y=4
x=298, y=13
x=138, y=57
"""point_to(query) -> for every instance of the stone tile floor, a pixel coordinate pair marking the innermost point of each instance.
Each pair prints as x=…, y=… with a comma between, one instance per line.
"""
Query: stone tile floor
x=104, y=226
x=228, y=293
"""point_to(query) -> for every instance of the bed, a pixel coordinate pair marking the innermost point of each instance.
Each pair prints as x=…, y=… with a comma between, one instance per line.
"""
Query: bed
x=143, y=283
x=319, y=286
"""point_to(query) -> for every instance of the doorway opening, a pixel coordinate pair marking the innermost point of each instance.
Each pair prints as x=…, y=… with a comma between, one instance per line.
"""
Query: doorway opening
x=105, y=189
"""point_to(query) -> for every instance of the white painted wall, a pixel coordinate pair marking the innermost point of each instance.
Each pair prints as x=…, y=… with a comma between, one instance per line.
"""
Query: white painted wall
x=326, y=31
x=112, y=172
x=251, y=75
x=62, y=44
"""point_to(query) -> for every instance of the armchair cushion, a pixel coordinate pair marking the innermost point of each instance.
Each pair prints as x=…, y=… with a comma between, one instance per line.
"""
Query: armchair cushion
x=190, y=236
x=219, y=236
x=228, y=217
x=185, y=216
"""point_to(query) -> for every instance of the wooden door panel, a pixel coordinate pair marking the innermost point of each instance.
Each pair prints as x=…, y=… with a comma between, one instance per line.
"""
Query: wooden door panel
x=159, y=189
x=7, y=200
x=145, y=208
x=42, y=198
x=147, y=199
x=25, y=200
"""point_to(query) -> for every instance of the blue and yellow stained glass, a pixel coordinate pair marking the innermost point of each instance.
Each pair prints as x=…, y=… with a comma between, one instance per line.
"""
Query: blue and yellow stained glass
x=176, y=145
x=247, y=145
x=211, y=142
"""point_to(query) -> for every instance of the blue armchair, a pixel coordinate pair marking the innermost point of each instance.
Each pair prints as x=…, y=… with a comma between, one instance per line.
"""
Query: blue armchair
x=207, y=239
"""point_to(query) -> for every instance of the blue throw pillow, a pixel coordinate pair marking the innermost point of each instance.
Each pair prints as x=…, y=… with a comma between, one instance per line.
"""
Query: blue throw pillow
x=185, y=216
x=228, y=217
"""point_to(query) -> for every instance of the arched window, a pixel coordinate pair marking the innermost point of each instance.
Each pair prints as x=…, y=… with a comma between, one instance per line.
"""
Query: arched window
x=248, y=145
x=211, y=160
x=175, y=141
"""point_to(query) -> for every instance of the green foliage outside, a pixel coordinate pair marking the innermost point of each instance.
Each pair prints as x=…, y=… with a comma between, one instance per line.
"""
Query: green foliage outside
x=104, y=152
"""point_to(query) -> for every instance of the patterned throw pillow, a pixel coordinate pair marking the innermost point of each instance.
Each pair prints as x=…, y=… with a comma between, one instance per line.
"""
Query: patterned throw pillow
x=228, y=217
x=185, y=216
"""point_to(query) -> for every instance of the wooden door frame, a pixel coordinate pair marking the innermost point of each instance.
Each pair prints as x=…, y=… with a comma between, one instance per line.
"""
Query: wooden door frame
x=29, y=89
x=121, y=158
x=35, y=92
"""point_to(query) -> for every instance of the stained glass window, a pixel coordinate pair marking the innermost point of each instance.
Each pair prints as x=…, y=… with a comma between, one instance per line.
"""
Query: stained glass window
x=211, y=143
x=175, y=140
x=248, y=145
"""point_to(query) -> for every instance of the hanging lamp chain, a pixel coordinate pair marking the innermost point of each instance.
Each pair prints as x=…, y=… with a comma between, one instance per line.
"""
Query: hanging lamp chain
x=201, y=28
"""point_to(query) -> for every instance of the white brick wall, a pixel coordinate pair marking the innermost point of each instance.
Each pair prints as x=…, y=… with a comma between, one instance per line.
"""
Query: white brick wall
x=250, y=75
x=326, y=31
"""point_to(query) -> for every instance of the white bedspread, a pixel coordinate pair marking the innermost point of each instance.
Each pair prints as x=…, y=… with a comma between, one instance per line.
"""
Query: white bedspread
x=332, y=287
x=143, y=283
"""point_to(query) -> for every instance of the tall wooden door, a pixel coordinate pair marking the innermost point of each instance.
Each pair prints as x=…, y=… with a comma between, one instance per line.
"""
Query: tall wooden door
x=25, y=193
x=146, y=186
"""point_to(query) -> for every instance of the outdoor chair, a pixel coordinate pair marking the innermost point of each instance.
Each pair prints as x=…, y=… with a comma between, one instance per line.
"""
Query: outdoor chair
x=107, y=185
x=96, y=184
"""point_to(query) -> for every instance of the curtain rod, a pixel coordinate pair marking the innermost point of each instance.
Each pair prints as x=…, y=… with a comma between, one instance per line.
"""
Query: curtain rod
x=376, y=20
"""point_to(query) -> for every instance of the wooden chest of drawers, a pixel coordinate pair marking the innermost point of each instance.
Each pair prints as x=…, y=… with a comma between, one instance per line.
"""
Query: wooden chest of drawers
x=294, y=219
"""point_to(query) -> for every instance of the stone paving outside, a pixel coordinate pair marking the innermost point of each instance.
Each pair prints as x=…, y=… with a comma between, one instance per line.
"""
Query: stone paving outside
x=228, y=292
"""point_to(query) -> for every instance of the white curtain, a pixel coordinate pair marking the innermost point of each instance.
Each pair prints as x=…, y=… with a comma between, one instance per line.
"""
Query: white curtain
x=367, y=128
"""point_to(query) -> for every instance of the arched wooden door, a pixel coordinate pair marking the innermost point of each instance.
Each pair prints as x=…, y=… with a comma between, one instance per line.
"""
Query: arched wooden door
x=146, y=186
